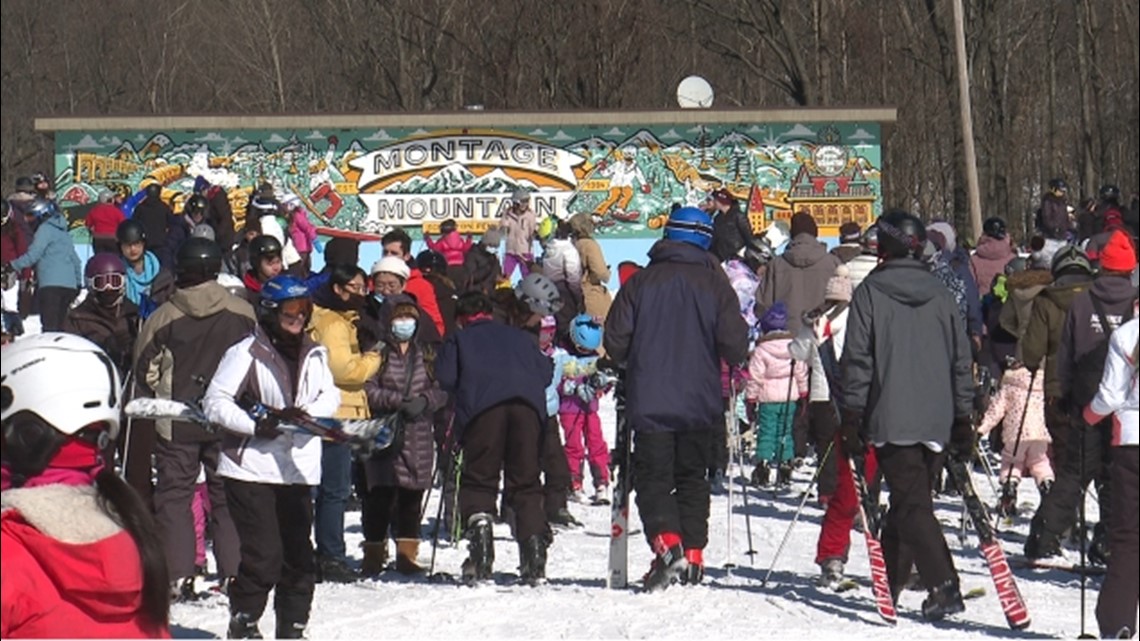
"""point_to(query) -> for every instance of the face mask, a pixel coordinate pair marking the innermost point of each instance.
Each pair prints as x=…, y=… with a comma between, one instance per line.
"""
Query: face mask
x=109, y=297
x=403, y=328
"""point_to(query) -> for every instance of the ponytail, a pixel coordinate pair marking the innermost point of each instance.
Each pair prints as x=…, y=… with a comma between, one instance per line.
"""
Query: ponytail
x=123, y=504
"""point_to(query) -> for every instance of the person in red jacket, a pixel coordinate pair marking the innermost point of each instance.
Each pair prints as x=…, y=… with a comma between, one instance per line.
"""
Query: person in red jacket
x=397, y=243
x=102, y=221
x=79, y=552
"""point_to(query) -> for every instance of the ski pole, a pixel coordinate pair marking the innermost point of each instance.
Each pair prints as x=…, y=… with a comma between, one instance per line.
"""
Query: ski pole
x=796, y=516
x=747, y=512
x=729, y=565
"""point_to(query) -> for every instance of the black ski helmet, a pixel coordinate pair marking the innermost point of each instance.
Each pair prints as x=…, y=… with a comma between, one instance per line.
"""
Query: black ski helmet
x=994, y=227
x=264, y=246
x=1058, y=187
x=870, y=240
x=757, y=253
x=200, y=256
x=195, y=205
x=901, y=235
x=431, y=261
x=1110, y=194
x=130, y=231
x=154, y=190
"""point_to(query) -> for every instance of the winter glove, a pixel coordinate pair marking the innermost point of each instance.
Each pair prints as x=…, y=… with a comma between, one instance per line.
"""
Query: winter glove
x=587, y=393
x=414, y=407
x=850, y=432
x=605, y=363
x=569, y=387
x=267, y=428
x=293, y=416
x=962, y=437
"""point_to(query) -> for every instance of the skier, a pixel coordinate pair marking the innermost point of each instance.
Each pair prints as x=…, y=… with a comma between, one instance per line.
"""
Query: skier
x=497, y=377
x=868, y=259
x=176, y=354
x=481, y=265
x=398, y=477
x=908, y=391
x=1119, y=395
x=269, y=473
x=596, y=299
x=775, y=382
x=433, y=266
x=671, y=325
x=555, y=469
x=992, y=255
x=519, y=225
x=799, y=276
x=623, y=175
x=155, y=216
x=581, y=387
x=563, y=266
x=57, y=267
x=1092, y=316
x=453, y=247
x=264, y=263
x=102, y=222
x=336, y=315
x=149, y=284
x=732, y=231
x=79, y=552
x=1052, y=219
x=850, y=242
x=1021, y=403
x=301, y=232
x=106, y=317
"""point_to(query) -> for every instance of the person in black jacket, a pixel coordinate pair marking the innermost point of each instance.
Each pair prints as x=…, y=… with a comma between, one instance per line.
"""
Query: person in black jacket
x=732, y=231
x=672, y=324
x=155, y=216
x=497, y=377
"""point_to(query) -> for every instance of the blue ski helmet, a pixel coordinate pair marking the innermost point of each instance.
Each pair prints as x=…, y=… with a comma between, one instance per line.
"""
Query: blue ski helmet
x=586, y=332
x=282, y=288
x=42, y=208
x=690, y=225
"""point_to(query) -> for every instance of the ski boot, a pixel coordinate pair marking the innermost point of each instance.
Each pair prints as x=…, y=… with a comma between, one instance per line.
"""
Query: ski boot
x=288, y=628
x=784, y=475
x=831, y=573
x=183, y=590
x=718, y=484
x=243, y=625
x=695, y=572
x=944, y=600
x=669, y=564
x=1007, y=505
x=563, y=519
x=760, y=474
x=1041, y=544
x=480, y=537
x=603, y=495
x=532, y=560
x=1098, y=553
x=1044, y=488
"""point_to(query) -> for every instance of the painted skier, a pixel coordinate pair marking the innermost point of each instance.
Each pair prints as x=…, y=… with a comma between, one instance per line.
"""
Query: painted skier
x=623, y=176
x=321, y=185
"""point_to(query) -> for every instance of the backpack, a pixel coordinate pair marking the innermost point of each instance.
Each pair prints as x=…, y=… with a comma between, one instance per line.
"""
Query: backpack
x=1089, y=367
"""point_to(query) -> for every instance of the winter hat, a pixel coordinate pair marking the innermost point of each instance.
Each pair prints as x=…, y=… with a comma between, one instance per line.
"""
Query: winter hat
x=803, y=223
x=201, y=184
x=342, y=251
x=391, y=265
x=849, y=232
x=492, y=237
x=943, y=235
x=775, y=319
x=1118, y=255
x=839, y=286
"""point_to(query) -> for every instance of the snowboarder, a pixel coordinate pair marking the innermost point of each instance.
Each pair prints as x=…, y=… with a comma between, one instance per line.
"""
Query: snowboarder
x=671, y=325
x=269, y=473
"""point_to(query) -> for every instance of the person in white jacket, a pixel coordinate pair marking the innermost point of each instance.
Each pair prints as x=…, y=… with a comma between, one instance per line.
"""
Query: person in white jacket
x=270, y=473
x=1119, y=395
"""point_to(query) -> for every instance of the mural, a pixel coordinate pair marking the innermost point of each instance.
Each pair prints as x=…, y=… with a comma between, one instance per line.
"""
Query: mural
x=362, y=183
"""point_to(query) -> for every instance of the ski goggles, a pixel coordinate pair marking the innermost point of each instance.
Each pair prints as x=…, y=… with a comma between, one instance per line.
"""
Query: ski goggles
x=107, y=282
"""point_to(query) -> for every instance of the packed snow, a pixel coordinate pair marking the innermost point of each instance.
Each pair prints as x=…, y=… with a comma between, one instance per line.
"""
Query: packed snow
x=576, y=604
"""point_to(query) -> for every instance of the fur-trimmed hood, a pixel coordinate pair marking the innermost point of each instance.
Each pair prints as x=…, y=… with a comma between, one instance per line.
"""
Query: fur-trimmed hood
x=67, y=513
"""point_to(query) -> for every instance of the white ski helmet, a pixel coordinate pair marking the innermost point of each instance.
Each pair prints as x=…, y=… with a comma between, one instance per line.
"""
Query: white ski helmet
x=63, y=379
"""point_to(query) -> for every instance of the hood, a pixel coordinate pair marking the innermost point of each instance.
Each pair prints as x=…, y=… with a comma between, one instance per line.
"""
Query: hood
x=990, y=248
x=201, y=301
x=1113, y=289
x=1028, y=279
x=1062, y=295
x=674, y=251
x=84, y=553
x=56, y=221
x=804, y=251
x=906, y=281
x=582, y=224
x=775, y=343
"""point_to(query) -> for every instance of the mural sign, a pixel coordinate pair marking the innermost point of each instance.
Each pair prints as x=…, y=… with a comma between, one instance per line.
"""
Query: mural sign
x=364, y=181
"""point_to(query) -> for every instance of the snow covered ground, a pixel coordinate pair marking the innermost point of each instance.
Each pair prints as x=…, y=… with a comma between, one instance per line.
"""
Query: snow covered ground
x=576, y=604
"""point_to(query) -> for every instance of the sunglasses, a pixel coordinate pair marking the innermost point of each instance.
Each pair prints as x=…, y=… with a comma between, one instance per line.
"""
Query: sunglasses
x=106, y=282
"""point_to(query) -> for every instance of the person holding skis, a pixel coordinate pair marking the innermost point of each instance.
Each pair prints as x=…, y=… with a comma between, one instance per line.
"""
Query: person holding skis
x=270, y=473
x=80, y=555
x=907, y=391
x=671, y=325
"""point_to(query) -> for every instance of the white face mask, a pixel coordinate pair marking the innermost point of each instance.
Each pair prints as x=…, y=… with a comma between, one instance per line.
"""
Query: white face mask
x=403, y=328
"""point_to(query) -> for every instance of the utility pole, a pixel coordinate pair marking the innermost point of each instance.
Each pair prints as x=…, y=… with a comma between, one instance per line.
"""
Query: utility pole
x=973, y=192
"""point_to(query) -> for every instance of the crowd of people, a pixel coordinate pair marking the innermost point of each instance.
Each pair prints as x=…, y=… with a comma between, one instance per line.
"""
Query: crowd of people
x=882, y=356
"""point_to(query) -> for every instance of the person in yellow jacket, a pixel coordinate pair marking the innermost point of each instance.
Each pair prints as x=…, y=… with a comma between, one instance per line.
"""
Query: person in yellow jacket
x=336, y=311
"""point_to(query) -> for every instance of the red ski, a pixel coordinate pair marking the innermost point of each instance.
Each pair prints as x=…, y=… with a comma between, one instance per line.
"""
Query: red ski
x=880, y=585
x=1012, y=603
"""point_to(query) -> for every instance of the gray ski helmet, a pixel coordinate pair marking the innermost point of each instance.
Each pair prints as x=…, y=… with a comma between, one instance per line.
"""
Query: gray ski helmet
x=757, y=253
x=1071, y=260
x=1016, y=264
x=540, y=294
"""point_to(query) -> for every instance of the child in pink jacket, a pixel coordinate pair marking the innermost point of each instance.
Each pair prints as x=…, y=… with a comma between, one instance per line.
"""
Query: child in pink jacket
x=776, y=381
x=1032, y=444
x=301, y=229
x=453, y=246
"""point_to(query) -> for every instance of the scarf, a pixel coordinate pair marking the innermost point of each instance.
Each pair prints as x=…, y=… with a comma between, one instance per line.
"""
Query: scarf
x=138, y=285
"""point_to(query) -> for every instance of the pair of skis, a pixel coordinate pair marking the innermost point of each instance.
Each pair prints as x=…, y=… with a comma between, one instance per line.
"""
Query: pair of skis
x=618, y=576
x=370, y=434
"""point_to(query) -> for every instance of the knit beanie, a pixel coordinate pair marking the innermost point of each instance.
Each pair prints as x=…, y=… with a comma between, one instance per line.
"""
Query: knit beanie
x=803, y=223
x=1118, y=255
x=839, y=286
x=943, y=236
x=342, y=251
x=775, y=319
x=849, y=232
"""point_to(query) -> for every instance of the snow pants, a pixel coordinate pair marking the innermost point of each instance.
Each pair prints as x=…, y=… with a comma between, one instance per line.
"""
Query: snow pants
x=911, y=534
x=555, y=471
x=275, y=523
x=670, y=478
x=1058, y=510
x=1120, y=593
x=584, y=442
x=1031, y=457
x=775, y=441
x=835, y=531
